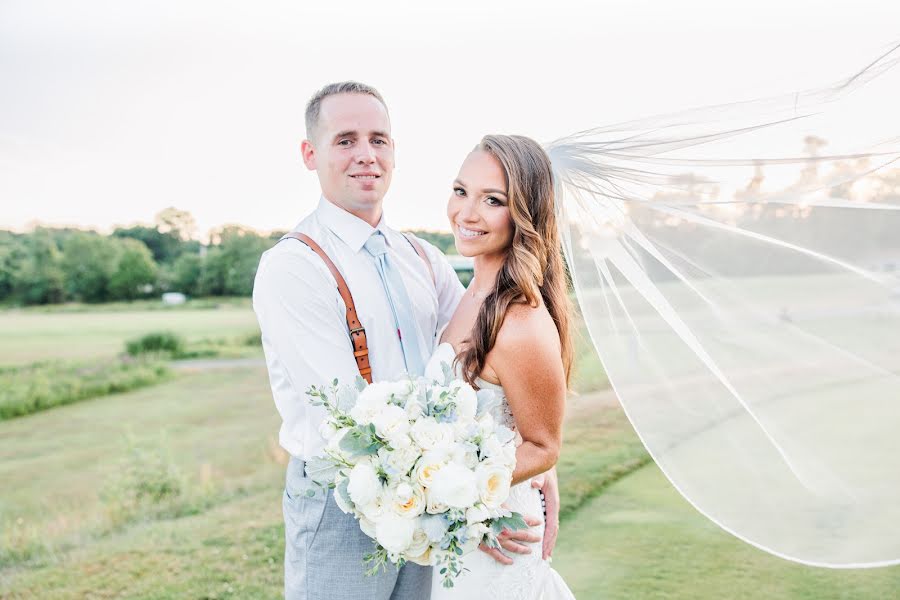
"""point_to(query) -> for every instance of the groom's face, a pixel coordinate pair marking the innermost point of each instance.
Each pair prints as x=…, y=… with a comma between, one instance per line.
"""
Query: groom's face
x=352, y=153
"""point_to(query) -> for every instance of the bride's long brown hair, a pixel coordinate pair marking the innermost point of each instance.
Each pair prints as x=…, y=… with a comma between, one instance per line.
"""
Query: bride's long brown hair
x=533, y=269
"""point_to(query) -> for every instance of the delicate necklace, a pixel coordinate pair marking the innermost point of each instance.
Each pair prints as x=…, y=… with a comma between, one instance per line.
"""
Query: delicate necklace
x=478, y=295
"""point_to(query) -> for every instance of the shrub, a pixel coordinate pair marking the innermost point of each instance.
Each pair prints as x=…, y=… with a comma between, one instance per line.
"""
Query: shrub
x=158, y=342
x=29, y=389
x=146, y=481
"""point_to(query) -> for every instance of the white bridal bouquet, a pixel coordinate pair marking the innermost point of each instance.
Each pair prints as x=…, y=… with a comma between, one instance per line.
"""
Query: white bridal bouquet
x=425, y=466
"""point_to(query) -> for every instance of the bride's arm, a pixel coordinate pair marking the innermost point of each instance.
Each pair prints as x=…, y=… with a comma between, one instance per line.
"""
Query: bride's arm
x=526, y=359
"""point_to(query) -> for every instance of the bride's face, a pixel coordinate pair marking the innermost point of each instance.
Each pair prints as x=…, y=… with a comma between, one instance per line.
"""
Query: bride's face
x=479, y=207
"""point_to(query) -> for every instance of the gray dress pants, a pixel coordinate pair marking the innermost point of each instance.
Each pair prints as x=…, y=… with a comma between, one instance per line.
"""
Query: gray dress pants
x=324, y=549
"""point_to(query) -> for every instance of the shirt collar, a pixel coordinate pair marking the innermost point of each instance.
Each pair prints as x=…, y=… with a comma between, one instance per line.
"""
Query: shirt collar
x=352, y=230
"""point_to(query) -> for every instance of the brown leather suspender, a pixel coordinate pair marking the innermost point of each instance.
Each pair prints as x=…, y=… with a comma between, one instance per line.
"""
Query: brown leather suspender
x=357, y=331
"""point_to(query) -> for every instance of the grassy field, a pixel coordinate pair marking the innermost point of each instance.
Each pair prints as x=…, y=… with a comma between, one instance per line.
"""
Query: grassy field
x=73, y=525
x=28, y=336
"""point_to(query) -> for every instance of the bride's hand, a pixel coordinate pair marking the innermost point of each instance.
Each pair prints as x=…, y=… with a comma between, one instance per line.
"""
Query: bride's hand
x=549, y=485
x=514, y=541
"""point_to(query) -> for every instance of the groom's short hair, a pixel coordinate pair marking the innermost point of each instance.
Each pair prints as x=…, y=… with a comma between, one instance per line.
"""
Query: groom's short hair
x=314, y=106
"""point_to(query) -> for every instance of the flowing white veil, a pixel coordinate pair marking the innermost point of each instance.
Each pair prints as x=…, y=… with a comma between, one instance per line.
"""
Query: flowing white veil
x=747, y=310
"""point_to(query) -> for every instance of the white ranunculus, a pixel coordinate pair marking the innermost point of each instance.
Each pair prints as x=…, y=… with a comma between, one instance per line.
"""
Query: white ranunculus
x=394, y=532
x=493, y=481
x=419, y=545
x=391, y=422
x=477, y=514
x=430, y=463
x=428, y=433
x=466, y=400
x=454, y=485
x=408, y=500
x=364, y=485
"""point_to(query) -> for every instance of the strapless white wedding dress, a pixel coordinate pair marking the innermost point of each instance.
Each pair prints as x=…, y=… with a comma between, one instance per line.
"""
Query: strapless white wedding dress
x=529, y=577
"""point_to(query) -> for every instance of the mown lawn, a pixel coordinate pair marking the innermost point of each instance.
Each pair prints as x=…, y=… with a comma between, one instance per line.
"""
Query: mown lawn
x=28, y=336
x=641, y=539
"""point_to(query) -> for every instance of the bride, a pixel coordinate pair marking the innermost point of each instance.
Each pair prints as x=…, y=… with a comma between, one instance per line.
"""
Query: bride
x=510, y=333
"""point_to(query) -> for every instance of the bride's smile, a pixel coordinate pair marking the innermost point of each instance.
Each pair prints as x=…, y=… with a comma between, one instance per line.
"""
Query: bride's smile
x=478, y=208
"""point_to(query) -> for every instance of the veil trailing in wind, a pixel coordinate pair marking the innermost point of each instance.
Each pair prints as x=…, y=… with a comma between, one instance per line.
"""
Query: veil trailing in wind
x=745, y=303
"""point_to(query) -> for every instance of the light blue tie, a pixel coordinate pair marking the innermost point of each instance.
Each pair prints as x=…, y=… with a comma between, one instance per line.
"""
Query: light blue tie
x=400, y=304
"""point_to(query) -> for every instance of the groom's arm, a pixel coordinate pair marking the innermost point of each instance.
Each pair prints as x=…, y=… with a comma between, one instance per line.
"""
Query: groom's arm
x=304, y=330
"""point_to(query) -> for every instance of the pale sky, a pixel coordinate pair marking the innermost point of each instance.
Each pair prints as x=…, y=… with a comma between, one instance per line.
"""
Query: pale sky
x=111, y=111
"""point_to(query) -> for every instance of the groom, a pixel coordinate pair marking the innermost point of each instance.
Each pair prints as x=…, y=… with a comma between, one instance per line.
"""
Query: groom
x=303, y=318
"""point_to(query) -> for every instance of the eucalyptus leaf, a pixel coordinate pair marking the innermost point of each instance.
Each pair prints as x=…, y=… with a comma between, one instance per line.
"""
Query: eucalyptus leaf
x=345, y=398
x=321, y=470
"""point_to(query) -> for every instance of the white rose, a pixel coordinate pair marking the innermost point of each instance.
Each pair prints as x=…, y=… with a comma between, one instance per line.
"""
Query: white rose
x=419, y=545
x=426, y=559
x=394, y=532
x=391, y=422
x=432, y=506
x=364, y=485
x=493, y=481
x=430, y=463
x=454, y=485
x=428, y=433
x=408, y=500
x=466, y=400
x=376, y=508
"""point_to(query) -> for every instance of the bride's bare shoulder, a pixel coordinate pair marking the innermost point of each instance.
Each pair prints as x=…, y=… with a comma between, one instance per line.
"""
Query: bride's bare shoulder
x=527, y=328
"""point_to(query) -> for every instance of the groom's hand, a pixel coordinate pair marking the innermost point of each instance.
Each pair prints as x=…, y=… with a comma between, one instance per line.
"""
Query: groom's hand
x=549, y=485
x=514, y=541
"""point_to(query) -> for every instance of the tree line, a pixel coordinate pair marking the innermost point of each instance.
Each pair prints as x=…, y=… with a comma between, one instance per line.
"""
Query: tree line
x=53, y=265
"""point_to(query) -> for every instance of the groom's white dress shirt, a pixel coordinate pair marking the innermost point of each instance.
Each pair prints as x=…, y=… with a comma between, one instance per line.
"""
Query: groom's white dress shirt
x=303, y=318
